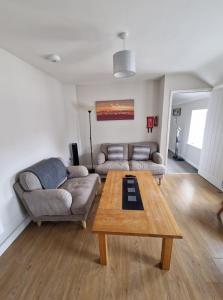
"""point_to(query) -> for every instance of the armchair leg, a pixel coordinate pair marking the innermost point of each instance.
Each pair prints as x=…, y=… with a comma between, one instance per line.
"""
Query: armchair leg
x=159, y=181
x=84, y=224
x=39, y=223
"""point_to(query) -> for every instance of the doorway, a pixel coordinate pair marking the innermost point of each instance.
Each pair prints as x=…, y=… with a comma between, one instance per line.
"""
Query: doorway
x=187, y=126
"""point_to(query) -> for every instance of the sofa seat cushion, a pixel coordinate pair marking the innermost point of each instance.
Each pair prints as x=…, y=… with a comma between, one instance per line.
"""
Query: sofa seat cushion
x=148, y=165
x=83, y=191
x=112, y=165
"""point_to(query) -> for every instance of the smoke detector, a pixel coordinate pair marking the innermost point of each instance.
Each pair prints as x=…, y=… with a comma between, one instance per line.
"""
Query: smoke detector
x=54, y=58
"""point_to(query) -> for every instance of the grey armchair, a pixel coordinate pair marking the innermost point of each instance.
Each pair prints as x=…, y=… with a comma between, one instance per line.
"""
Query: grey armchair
x=69, y=200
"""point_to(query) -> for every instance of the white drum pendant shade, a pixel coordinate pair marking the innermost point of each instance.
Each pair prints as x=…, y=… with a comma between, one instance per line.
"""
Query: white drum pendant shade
x=124, y=64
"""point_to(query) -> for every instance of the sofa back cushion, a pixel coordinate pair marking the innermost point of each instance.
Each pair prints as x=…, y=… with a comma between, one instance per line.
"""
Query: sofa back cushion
x=29, y=181
x=104, y=149
x=115, y=152
x=51, y=172
x=140, y=152
x=153, y=146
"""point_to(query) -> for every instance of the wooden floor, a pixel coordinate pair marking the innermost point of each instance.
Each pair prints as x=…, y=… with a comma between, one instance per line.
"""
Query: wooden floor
x=60, y=260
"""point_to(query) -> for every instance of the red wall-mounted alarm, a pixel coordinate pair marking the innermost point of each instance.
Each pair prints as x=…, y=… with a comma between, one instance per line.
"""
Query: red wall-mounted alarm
x=150, y=123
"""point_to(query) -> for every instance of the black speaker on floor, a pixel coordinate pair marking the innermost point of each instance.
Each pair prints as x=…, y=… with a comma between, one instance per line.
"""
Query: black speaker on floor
x=75, y=154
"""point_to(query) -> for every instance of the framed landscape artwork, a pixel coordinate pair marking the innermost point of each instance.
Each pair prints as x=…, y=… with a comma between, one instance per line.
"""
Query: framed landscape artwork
x=115, y=110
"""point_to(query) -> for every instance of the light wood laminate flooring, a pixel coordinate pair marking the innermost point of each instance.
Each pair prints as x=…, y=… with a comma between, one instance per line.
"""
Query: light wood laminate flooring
x=61, y=260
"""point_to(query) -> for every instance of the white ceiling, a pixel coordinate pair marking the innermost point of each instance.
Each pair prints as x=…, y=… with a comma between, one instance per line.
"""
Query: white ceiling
x=168, y=36
x=185, y=97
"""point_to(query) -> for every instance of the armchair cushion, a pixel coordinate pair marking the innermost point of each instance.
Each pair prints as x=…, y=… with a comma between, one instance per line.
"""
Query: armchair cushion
x=51, y=172
x=100, y=158
x=29, y=181
x=157, y=158
x=77, y=171
x=82, y=189
x=48, y=202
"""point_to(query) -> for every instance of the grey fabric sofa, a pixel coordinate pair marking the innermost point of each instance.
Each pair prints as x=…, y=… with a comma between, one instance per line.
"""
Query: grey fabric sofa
x=154, y=164
x=69, y=201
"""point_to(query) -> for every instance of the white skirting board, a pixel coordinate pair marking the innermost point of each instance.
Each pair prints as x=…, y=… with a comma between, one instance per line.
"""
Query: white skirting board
x=190, y=163
x=215, y=181
x=11, y=238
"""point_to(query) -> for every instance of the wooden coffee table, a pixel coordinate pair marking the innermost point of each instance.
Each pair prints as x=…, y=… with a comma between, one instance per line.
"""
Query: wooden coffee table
x=156, y=220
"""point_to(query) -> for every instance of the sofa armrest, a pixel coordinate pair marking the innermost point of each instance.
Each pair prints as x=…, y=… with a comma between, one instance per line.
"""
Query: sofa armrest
x=157, y=158
x=77, y=171
x=48, y=202
x=100, y=158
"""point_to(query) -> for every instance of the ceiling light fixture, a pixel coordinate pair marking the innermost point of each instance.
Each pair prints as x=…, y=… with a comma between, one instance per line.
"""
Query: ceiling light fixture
x=55, y=58
x=124, y=60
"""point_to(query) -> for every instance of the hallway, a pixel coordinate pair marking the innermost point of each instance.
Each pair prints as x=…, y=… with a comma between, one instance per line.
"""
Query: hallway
x=174, y=166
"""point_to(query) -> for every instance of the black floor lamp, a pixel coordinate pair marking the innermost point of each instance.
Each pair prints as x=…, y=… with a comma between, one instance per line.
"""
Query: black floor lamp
x=92, y=166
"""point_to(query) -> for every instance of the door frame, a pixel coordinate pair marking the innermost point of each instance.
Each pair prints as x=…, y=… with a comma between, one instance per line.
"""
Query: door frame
x=172, y=93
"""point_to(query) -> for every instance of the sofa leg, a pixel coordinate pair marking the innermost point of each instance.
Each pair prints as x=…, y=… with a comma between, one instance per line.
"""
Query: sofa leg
x=159, y=181
x=84, y=224
x=39, y=223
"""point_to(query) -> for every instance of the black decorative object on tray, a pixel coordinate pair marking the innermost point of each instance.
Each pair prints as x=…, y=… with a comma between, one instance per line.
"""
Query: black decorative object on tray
x=131, y=198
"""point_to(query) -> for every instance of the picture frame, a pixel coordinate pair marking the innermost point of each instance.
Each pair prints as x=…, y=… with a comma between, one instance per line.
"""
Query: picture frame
x=110, y=110
x=177, y=112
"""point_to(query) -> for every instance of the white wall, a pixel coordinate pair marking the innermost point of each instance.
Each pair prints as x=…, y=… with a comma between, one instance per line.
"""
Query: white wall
x=172, y=83
x=32, y=127
x=161, y=95
x=72, y=116
x=211, y=164
x=146, y=96
x=190, y=153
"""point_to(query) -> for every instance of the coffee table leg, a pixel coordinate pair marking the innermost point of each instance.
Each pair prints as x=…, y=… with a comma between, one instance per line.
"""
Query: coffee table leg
x=102, y=238
x=166, y=253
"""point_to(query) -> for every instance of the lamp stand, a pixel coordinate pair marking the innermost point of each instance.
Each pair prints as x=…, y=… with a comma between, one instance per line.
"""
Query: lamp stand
x=92, y=166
